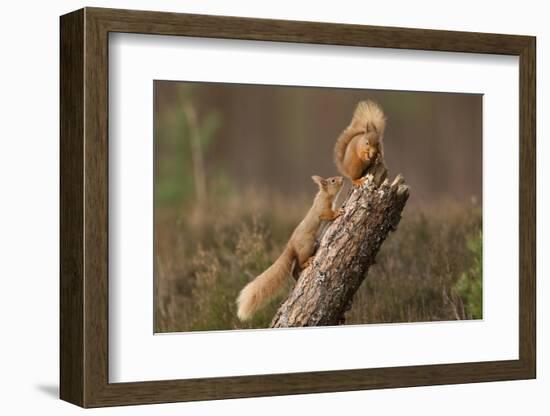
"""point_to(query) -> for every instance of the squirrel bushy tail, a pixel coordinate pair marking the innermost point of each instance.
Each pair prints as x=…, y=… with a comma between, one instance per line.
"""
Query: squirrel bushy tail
x=256, y=293
x=368, y=118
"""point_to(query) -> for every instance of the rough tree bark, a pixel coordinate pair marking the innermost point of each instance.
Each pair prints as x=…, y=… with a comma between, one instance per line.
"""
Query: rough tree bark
x=325, y=290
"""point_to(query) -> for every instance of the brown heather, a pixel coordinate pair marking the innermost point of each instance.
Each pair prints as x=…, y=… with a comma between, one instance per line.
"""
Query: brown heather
x=205, y=259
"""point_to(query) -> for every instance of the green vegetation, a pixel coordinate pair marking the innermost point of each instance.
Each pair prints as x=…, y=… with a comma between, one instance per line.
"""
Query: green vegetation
x=469, y=285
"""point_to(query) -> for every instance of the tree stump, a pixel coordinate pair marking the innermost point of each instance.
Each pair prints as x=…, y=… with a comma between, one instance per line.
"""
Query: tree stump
x=325, y=289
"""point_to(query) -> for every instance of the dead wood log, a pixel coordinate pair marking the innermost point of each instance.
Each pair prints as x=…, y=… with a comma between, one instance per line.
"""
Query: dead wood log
x=325, y=289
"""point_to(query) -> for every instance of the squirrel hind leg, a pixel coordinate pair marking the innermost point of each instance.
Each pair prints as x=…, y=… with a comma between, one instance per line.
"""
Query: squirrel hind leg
x=296, y=271
x=307, y=263
x=299, y=268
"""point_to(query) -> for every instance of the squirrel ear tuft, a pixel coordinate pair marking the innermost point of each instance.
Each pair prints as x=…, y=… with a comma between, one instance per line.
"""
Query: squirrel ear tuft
x=317, y=179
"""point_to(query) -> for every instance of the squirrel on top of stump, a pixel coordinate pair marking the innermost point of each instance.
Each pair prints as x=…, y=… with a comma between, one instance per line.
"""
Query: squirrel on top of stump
x=359, y=146
x=357, y=149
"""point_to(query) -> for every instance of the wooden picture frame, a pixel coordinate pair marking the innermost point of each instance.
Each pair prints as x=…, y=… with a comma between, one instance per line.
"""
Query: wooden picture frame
x=84, y=207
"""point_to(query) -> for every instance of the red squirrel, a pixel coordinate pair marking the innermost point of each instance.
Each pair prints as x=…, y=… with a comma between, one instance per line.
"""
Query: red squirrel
x=359, y=146
x=298, y=252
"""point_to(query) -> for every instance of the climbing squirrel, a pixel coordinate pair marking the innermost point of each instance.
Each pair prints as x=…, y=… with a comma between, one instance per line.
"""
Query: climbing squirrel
x=298, y=252
x=359, y=146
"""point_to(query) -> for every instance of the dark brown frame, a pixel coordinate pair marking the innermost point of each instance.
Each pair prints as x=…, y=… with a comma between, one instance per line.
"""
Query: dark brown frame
x=84, y=207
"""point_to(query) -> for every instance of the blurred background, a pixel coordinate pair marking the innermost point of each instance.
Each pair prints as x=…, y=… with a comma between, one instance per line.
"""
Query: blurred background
x=232, y=179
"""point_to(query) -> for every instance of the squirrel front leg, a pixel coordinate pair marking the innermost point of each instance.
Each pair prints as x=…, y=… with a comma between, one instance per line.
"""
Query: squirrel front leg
x=332, y=215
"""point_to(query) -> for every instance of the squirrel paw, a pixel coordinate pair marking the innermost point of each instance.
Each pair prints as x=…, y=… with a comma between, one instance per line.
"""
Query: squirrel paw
x=307, y=263
x=360, y=181
x=337, y=213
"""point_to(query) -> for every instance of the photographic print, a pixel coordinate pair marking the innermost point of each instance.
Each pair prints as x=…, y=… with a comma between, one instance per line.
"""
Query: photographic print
x=352, y=185
x=283, y=206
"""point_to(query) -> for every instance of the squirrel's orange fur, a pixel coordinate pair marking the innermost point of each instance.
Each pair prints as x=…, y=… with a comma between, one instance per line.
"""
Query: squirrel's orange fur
x=360, y=144
x=297, y=253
